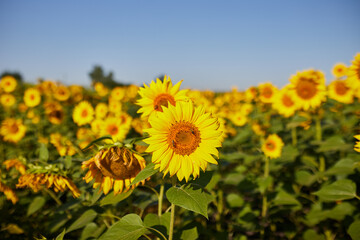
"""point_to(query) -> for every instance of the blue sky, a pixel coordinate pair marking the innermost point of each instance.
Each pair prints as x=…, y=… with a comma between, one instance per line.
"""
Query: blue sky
x=210, y=44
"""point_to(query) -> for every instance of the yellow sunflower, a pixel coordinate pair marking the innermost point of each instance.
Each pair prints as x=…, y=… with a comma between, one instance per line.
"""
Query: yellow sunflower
x=357, y=144
x=83, y=113
x=115, y=167
x=62, y=93
x=354, y=72
x=101, y=110
x=62, y=144
x=118, y=93
x=54, y=112
x=341, y=91
x=339, y=70
x=159, y=94
x=267, y=92
x=251, y=94
x=76, y=92
x=284, y=103
x=8, y=83
x=308, y=89
x=37, y=181
x=7, y=100
x=239, y=119
x=272, y=146
x=12, y=130
x=32, y=97
x=101, y=90
x=116, y=127
x=183, y=139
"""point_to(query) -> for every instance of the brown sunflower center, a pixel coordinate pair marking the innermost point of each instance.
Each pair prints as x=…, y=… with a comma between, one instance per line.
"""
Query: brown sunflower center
x=118, y=163
x=306, y=89
x=84, y=113
x=287, y=101
x=163, y=99
x=267, y=92
x=32, y=97
x=270, y=145
x=14, y=128
x=341, y=88
x=184, y=138
x=112, y=129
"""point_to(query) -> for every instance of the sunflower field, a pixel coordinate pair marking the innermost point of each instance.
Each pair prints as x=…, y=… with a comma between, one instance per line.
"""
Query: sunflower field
x=157, y=162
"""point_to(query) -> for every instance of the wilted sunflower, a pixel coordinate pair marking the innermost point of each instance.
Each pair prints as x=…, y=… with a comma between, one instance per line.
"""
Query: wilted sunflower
x=272, y=146
x=115, y=167
x=267, y=92
x=339, y=70
x=9, y=193
x=354, y=72
x=32, y=97
x=12, y=130
x=341, y=91
x=61, y=93
x=284, y=103
x=159, y=94
x=357, y=144
x=18, y=165
x=308, y=89
x=7, y=100
x=36, y=181
x=8, y=83
x=183, y=139
x=83, y=113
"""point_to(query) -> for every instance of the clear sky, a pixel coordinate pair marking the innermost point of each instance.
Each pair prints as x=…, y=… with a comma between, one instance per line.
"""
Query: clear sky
x=210, y=44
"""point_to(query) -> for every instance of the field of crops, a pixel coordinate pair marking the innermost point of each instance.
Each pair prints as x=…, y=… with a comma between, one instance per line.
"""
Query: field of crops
x=157, y=162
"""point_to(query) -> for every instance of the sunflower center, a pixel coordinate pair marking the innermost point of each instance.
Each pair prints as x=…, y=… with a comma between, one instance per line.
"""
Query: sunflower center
x=184, y=138
x=267, y=92
x=112, y=130
x=14, y=128
x=84, y=113
x=32, y=97
x=118, y=163
x=306, y=89
x=341, y=88
x=270, y=145
x=163, y=100
x=287, y=101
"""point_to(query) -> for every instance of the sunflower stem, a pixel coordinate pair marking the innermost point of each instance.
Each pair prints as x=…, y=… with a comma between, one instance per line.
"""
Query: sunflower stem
x=264, y=200
x=161, y=196
x=319, y=138
x=172, y=219
x=294, y=136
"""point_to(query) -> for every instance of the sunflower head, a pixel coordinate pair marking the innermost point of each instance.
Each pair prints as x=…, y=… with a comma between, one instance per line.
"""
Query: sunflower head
x=272, y=146
x=114, y=167
x=267, y=92
x=284, y=103
x=12, y=130
x=62, y=93
x=158, y=95
x=7, y=100
x=83, y=113
x=354, y=72
x=32, y=97
x=341, y=91
x=357, y=144
x=339, y=70
x=8, y=83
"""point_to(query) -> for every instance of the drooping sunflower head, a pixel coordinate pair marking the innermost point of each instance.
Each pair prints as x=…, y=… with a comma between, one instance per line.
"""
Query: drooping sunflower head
x=115, y=167
x=9, y=193
x=158, y=95
x=12, y=130
x=8, y=83
x=341, y=91
x=339, y=70
x=83, y=113
x=267, y=92
x=183, y=139
x=308, y=89
x=32, y=97
x=354, y=72
x=272, y=146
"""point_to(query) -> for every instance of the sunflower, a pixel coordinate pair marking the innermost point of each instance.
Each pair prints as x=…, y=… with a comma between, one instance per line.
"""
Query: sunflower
x=12, y=130
x=116, y=127
x=339, y=70
x=284, y=103
x=62, y=144
x=239, y=119
x=114, y=107
x=308, y=89
x=62, y=93
x=159, y=94
x=76, y=92
x=101, y=110
x=101, y=90
x=341, y=91
x=183, y=139
x=32, y=97
x=272, y=146
x=354, y=72
x=18, y=165
x=117, y=93
x=54, y=112
x=258, y=129
x=8, y=83
x=7, y=100
x=267, y=92
x=9, y=193
x=357, y=144
x=115, y=167
x=36, y=181
x=251, y=94
x=83, y=113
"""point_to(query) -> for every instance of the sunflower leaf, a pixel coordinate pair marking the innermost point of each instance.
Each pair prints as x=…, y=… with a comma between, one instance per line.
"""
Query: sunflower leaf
x=83, y=220
x=340, y=190
x=112, y=199
x=190, y=198
x=147, y=172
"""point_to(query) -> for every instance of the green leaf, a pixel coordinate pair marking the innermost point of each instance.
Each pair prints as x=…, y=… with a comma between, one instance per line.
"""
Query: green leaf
x=234, y=200
x=147, y=172
x=264, y=183
x=88, y=231
x=130, y=227
x=340, y=190
x=354, y=230
x=334, y=143
x=95, y=141
x=289, y=153
x=152, y=220
x=113, y=199
x=68, y=162
x=341, y=210
x=43, y=152
x=203, y=180
x=190, y=234
x=35, y=205
x=61, y=235
x=214, y=180
x=304, y=178
x=83, y=220
x=284, y=198
x=312, y=235
x=342, y=167
x=316, y=214
x=296, y=121
x=190, y=199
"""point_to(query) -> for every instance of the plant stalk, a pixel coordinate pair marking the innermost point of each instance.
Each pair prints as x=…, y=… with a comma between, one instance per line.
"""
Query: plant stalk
x=161, y=196
x=319, y=138
x=172, y=219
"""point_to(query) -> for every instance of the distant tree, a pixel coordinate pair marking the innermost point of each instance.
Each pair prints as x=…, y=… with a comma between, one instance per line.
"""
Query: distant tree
x=98, y=75
x=16, y=75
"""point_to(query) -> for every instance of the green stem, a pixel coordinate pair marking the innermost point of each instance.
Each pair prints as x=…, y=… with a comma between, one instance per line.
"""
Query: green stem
x=264, y=200
x=172, y=219
x=319, y=138
x=56, y=199
x=162, y=235
x=161, y=196
x=294, y=136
